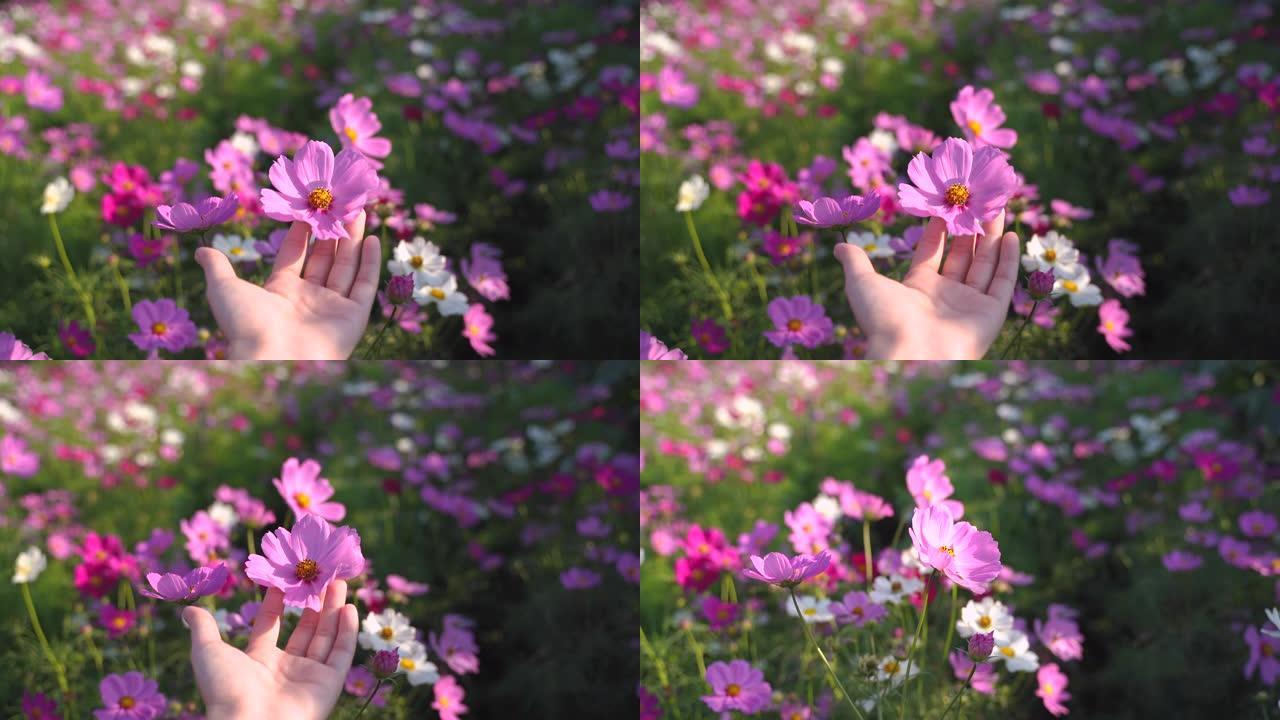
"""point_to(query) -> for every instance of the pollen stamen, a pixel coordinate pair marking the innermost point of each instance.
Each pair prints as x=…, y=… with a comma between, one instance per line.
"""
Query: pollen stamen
x=957, y=194
x=320, y=198
x=307, y=570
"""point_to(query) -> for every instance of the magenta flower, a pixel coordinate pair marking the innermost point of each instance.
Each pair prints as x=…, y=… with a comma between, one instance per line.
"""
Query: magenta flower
x=928, y=484
x=198, y=583
x=720, y=615
x=962, y=186
x=16, y=459
x=798, y=320
x=1113, y=323
x=788, y=572
x=577, y=578
x=11, y=348
x=206, y=213
x=828, y=212
x=306, y=492
x=1061, y=634
x=1040, y=284
x=449, y=696
x=1248, y=196
x=1180, y=561
x=1257, y=523
x=981, y=645
x=709, y=335
x=980, y=118
x=131, y=696
x=477, y=328
x=77, y=339
x=302, y=562
x=1052, y=689
x=319, y=189
x=857, y=609
x=163, y=326
x=968, y=557
x=384, y=663
x=651, y=348
x=356, y=124
x=737, y=686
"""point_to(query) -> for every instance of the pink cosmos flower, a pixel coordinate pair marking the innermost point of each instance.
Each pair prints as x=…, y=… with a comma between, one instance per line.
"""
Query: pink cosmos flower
x=77, y=339
x=306, y=492
x=861, y=505
x=736, y=685
x=798, y=320
x=1122, y=269
x=778, y=569
x=1060, y=633
x=1052, y=689
x=710, y=336
x=130, y=696
x=984, y=677
x=1113, y=323
x=11, y=348
x=978, y=115
x=968, y=557
x=16, y=459
x=205, y=213
x=962, y=186
x=928, y=484
x=674, y=90
x=477, y=328
x=651, y=348
x=449, y=696
x=302, y=562
x=198, y=583
x=356, y=124
x=162, y=325
x=319, y=189
x=828, y=212
x=719, y=615
x=858, y=609
x=456, y=645
x=1264, y=655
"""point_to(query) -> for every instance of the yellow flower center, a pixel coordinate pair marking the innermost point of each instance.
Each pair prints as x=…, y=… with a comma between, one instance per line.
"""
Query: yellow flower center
x=871, y=247
x=408, y=664
x=320, y=198
x=784, y=249
x=957, y=194
x=119, y=622
x=127, y=702
x=1110, y=326
x=386, y=632
x=984, y=622
x=159, y=328
x=236, y=251
x=948, y=550
x=794, y=325
x=928, y=494
x=444, y=702
x=437, y=293
x=1048, y=688
x=976, y=127
x=858, y=611
x=1050, y=255
x=895, y=586
x=1070, y=286
x=890, y=667
x=307, y=570
x=734, y=690
x=1008, y=651
x=811, y=611
x=303, y=500
x=416, y=261
x=351, y=134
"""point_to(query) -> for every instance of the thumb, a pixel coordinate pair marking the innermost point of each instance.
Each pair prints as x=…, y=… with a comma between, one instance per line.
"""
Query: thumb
x=854, y=260
x=204, y=629
x=217, y=268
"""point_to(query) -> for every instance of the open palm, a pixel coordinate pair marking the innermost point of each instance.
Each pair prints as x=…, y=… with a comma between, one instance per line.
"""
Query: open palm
x=301, y=682
x=315, y=305
x=954, y=314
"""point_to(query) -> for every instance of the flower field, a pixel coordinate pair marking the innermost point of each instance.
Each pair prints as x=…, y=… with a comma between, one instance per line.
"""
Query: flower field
x=1024, y=540
x=792, y=151
x=152, y=150
x=480, y=514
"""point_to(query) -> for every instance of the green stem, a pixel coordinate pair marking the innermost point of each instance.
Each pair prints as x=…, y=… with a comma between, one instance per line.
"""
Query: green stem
x=706, y=268
x=759, y=281
x=253, y=550
x=93, y=650
x=924, y=612
x=44, y=642
x=964, y=687
x=822, y=656
x=370, y=698
x=866, y=549
x=73, y=278
x=378, y=339
x=1018, y=336
x=697, y=651
x=124, y=288
x=951, y=624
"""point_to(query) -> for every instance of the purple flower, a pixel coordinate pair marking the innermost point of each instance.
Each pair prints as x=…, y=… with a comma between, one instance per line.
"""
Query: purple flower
x=828, y=212
x=163, y=325
x=172, y=587
x=981, y=645
x=576, y=578
x=400, y=289
x=41, y=94
x=778, y=569
x=1180, y=561
x=319, y=189
x=484, y=272
x=1248, y=196
x=205, y=213
x=303, y=562
x=798, y=320
x=11, y=348
x=651, y=348
x=1040, y=284
x=384, y=663
x=963, y=186
x=130, y=696
x=609, y=201
x=857, y=609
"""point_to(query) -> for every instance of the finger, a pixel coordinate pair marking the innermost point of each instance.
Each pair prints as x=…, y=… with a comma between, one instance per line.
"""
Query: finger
x=1006, y=275
x=986, y=253
x=347, y=260
x=344, y=643
x=334, y=598
x=266, y=626
x=204, y=630
x=306, y=629
x=857, y=270
x=365, y=289
x=957, y=262
x=293, y=251
x=929, y=250
x=320, y=261
x=217, y=268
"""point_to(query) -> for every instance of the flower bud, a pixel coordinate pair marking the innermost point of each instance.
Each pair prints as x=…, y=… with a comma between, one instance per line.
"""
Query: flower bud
x=981, y=645
x=385, y=663
x=1040, y=284
x=400, y=289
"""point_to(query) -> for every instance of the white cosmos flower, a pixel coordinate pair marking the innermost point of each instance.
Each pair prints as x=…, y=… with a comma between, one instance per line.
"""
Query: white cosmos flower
x=986, y=616
x=876, y=246
x=386, y=630
x=1274, y=616
x=31, y=562
x=417, y=257
x=237, y=249
x=828, y=507
x=1051, y=252
x=894, y=670
x=414, y=664
x=1015, y=652
x=443, y=292
x=812, y=609
x=1078, y=288
x=693, y=192
x=57, y=196
x=224, y=515
x=894, y=588
x=245, y=143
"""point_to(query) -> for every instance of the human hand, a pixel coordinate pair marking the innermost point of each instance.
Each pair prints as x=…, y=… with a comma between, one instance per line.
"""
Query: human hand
x=952, y=315
x=314, y=306
x=301, y=682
